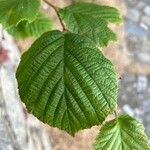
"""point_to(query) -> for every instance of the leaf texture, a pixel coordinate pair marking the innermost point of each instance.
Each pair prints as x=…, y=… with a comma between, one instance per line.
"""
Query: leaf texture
x=66, y=82
x=34, y=29
x=125, y=133
x=14, y=11
x=92, y=21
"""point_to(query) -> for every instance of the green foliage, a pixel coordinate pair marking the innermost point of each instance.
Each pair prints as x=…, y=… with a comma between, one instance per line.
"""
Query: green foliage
x=64, y=79
x=66, y=82
x=14, y=11
x=35, y=29
x=92, y=21
x=123, y=133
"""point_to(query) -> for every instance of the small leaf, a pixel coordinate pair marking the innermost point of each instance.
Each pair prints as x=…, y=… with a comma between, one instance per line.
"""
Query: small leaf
x=125, y=133
x=19, y=31
x=14, y=11
x=39, y=26
x=92, y=21
x=66, y=82
x=35, y=29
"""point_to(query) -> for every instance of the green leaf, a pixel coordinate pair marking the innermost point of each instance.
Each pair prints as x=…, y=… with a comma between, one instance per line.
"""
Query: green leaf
x=92, y=21
x=14, y=11
x=35, y=29
x=66, y=82
x=19, y=31
x=125, y=133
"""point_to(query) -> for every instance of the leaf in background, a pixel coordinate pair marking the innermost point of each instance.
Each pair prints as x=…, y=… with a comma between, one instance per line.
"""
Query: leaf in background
x=92, y=21
x=125, y=133
x=39, y=26
x=19, y=31
x=14, y=11
x=34, y=29
x=66, y=82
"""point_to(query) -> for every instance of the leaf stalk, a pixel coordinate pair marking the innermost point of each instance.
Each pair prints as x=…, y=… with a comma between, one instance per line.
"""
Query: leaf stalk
x=116, y=114
x=57, y=12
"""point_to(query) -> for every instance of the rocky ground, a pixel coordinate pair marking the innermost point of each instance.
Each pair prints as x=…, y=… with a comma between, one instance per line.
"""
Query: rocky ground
x=134, y=95
x=137, y=27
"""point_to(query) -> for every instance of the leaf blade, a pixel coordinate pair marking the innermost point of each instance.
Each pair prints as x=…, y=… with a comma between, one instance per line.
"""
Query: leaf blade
x=33, y=29
x=92, y=21
x=122, y=134
x=14, y=11
x=64, y=83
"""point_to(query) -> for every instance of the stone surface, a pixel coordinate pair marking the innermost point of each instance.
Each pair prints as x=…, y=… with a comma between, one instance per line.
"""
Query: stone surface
x=138, y=35
x=147, y=10
x=146, y=21
x=134, y=97
x=144, y=57
x=140, y=6
x=132, y=3
x=134, y=15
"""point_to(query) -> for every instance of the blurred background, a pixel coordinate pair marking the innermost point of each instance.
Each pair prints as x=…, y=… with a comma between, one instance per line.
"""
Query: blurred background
x=131, y=57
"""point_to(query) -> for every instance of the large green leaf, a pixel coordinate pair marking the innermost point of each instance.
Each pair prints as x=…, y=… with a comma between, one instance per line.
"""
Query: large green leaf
x=35, y=29
x=65, y=81
x=124, y=133
x=13, y=11
x=92, y=21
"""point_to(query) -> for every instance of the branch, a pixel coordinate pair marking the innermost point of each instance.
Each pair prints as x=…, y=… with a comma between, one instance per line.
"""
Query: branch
x=73, y=1
x=57, y=12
